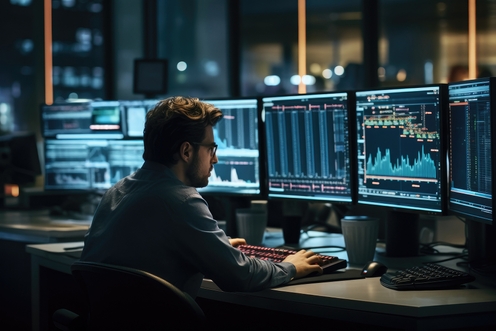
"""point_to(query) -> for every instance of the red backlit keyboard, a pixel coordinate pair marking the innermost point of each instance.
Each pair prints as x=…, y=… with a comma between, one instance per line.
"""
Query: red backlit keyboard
x=330, y=263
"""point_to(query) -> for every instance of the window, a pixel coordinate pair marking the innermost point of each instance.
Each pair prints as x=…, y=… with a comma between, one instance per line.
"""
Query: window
x=424, y=41
x=269, y=42
x=193, y=36
x=79, y=46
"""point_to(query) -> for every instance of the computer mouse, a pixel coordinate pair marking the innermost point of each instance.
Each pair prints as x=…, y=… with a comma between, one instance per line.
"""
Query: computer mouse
x=373, y=269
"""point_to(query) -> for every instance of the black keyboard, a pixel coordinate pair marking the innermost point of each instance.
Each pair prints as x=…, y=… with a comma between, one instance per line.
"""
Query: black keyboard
x=430, y=276
x=330, y=263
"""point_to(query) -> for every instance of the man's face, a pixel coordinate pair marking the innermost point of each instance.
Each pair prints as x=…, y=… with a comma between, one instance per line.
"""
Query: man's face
x=203, y=161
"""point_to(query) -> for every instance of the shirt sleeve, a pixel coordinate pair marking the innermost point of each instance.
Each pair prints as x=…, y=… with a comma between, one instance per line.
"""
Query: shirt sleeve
x=207, y=247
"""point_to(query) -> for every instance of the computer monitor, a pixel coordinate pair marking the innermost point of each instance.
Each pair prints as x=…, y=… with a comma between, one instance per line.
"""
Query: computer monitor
x=19, y=159
x=307, y=142
x=89, y=164
x=472, y=105
x=471, y=125
x=237, y=172
x=111, y=119
x=82, y=120
x=401, y=154
x=401, y=151
x=90, y=145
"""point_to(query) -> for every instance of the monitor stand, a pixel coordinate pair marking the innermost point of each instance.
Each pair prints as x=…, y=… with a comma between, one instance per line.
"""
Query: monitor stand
x=224, y=208
x=402, y=234
x=317, y=218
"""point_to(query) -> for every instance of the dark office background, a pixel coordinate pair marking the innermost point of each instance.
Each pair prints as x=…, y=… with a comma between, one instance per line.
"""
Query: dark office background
x=223, y=48
x=229, y=47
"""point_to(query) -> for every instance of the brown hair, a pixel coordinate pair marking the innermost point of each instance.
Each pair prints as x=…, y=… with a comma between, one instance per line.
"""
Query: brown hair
x=173, y=121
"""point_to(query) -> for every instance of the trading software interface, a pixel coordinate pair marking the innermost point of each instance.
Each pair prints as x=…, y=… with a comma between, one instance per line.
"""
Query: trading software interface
x=307, y=142
x=238, y=168
x=93, y=119
x=90, y=164
x=92, y=145
x=470, y=148
x=399, y=147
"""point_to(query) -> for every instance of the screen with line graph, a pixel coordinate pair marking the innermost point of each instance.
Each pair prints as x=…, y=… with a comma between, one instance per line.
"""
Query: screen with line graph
x=401, y=149
x=471, y=127
x=238, y=169
x=89, y=164
x=308, y=147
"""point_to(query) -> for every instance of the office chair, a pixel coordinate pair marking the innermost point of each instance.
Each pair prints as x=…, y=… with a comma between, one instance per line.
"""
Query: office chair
x=121, y=298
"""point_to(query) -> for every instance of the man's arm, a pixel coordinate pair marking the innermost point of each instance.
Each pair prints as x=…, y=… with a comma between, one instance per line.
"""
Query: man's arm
x=305, y=262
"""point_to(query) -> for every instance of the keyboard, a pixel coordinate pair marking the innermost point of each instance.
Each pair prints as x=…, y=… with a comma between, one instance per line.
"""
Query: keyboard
x=330, y=263
x=430, y=276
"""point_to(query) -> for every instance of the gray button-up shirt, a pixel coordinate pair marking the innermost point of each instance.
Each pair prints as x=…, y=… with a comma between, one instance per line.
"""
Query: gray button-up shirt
x=153, y=222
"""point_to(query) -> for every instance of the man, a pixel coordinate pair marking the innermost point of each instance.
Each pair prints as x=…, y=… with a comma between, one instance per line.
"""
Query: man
x=155, y=220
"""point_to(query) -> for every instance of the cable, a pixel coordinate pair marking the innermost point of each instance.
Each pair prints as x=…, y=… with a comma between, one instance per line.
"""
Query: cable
x=429, y=249
x=460, y=256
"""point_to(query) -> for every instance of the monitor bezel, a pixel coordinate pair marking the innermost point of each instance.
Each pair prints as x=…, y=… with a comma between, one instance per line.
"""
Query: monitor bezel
x=350, y=100
x=397, y=206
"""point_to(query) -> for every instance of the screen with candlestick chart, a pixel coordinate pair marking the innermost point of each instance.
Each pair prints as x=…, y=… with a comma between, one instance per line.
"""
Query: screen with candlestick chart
x=307, y=139
x=401, y=149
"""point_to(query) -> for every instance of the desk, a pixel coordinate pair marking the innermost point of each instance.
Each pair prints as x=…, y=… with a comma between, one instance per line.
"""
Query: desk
x=40, y=227
x=18, y=228
x=363, y=300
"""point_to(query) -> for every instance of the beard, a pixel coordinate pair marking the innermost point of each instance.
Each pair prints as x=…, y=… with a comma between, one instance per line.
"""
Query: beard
x=193, y=174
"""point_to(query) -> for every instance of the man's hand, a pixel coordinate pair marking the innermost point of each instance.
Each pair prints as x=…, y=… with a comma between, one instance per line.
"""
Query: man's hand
x=235, y=242
x=305, y=262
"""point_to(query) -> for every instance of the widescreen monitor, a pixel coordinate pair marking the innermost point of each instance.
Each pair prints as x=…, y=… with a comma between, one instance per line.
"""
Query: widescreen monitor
x=237, y=136
x=472, y=147
x=471, y=127
x=401, y=150
x=110, y=119
x=90, y=145
x=82, y=120
x=89, y=164
x=307, y=142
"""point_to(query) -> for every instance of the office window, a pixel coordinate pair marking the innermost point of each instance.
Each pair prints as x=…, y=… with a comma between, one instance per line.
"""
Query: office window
x=79, y=48
x=192, y=35
x=17, y=62
x=424, y=41
x=269, y=42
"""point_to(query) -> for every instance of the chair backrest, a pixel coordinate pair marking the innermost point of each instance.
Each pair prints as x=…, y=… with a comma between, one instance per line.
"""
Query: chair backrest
x=121, y=298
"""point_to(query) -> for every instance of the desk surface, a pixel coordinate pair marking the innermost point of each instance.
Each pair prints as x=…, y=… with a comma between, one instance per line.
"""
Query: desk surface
x=40, y=226
x=343, y=300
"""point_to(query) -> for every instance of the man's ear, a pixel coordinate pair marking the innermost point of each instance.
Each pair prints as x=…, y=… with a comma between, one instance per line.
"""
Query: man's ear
x=185, y=151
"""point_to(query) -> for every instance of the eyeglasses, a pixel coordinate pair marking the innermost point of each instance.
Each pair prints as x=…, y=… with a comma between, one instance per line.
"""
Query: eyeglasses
x=211, y=147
